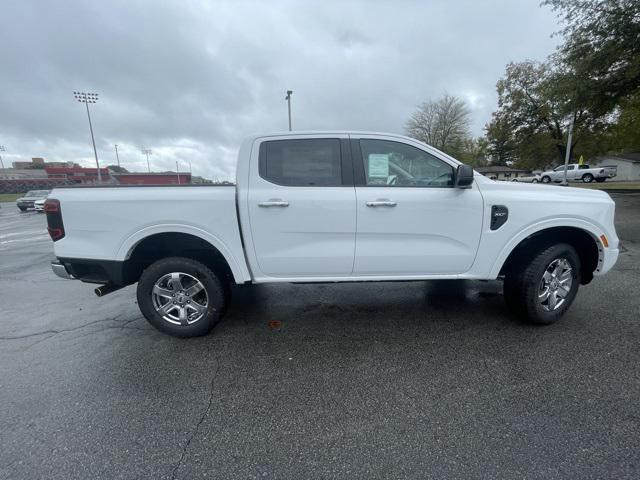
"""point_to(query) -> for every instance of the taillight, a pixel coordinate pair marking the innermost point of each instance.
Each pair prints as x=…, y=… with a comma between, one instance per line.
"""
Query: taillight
x=55, y=227
x=51, y=205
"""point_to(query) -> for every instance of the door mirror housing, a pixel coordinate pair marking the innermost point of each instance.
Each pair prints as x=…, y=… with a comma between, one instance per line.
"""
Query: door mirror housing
x=464, y=176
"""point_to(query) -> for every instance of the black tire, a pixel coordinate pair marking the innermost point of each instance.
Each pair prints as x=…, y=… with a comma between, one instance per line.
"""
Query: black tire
x=216, y=292
x=23, y=209
x=535, y=180
x=522, y=284
x=546, y=179
x=587, y=178
x=600, y=180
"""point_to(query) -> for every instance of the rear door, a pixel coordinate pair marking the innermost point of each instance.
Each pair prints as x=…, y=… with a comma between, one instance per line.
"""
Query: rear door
x=411, y=221
x=302, y=207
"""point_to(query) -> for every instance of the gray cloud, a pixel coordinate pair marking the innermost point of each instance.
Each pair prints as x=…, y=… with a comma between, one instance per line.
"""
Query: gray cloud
x=190, y=79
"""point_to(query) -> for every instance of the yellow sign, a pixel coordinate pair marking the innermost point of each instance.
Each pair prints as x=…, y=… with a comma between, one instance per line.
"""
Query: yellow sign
x=581, y=161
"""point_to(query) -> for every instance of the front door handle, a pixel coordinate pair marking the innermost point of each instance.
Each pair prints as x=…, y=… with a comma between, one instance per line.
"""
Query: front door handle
x=382, y=203
x=274, y=203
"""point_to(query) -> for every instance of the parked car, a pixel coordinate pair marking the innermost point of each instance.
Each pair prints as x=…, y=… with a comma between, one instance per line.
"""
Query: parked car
x=38, y=205
x=533, y=178
x=27, y=202
x=331, y=207
x=578, y=173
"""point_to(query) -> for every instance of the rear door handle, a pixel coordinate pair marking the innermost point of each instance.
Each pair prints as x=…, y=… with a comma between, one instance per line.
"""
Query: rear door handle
x=274, y=203
x=382, y=203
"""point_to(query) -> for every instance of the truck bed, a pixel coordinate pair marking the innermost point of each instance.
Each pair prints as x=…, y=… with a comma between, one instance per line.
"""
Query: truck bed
x=107, y=222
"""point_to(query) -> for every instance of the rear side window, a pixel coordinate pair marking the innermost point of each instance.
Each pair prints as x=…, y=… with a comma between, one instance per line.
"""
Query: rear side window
x=302, y=163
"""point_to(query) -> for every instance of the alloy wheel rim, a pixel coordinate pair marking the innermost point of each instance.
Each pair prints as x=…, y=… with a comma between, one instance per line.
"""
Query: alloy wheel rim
x=180, y=298
x=555, y=284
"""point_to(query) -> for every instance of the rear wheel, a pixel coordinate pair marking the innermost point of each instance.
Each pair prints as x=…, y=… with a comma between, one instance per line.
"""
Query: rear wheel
x=543, y=288
x=600, y=180
x=587, y=178
x=181, y=297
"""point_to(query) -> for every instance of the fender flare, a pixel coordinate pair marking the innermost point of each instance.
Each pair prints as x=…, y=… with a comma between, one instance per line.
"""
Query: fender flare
x=592, y=229
x=238, y=270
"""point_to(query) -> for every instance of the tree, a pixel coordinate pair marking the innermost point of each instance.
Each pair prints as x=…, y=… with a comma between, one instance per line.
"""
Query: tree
x=117, y=169
x=538, y=101
x=473, y=151
x=442, y=123
x=500, y=140
x=623, y=136
x=601, y=48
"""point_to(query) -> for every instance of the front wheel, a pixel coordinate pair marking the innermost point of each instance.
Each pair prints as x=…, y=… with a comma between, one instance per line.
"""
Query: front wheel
x=546, y=179
x=587, y=178
x=181, y=296
x=543, y=288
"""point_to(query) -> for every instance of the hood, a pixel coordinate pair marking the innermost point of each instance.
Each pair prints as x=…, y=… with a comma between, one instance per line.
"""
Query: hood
x=546, y=191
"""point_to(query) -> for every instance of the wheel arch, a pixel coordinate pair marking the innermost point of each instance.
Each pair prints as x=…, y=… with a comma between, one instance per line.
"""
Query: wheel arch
x=583, y=238
x=149, y=245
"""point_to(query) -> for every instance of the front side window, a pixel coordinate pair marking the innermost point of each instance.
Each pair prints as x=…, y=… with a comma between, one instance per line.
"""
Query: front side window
x=388, y=163
x=304, y=162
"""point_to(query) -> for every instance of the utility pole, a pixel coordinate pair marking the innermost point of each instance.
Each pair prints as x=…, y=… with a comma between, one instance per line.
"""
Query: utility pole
x=2, y=149
x=117, y=157
x=288, y=99
x=178, y=172
x=88, y=98
x=147, y=152
x=568, y=153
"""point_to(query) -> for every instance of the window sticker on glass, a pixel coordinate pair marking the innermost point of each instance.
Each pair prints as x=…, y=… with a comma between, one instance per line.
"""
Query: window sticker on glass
x=378, y=165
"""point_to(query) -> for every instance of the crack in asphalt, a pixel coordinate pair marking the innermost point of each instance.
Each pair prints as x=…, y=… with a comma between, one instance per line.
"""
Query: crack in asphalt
x=52, y=332
x=194, y=432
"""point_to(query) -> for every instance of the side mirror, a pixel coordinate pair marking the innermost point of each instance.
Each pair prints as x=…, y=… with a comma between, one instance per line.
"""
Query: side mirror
x=464, y=176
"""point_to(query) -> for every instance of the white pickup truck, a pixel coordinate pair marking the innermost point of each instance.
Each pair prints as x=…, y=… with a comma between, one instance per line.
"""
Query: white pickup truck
x=331, y=207
x=578, y=173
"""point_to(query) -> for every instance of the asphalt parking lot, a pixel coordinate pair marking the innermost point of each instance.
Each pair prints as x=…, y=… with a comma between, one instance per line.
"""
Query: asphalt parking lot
x=390, y=380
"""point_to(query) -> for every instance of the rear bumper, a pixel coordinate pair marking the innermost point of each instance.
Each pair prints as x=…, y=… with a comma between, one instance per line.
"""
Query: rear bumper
x=91, y=271
x=61, y=271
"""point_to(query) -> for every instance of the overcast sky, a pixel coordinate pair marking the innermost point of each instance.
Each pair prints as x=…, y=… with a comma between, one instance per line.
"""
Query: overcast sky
x=190, y=79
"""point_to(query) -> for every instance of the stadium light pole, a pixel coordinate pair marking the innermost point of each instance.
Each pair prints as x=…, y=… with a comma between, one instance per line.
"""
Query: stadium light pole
x=147, y=152
x=88, y=98
x=288, y=99
x=117, y=156
x=2, y=149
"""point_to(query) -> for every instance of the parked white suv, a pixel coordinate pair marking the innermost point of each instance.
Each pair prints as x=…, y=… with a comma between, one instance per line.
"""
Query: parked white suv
x=331, y=207
x=578, y=173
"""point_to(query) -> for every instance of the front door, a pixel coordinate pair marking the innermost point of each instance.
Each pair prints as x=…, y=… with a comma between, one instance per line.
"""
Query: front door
x=411, y=220
x=302, y=207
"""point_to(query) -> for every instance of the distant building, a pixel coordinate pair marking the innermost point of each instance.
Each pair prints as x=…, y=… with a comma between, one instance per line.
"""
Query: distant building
x=164, y=178
x=78, y=175
x=628, y=165
x=498, y=172
x=19, y=173
x=39, y=174
x=38, y=163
